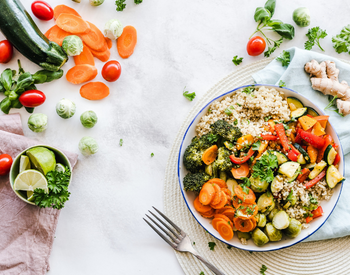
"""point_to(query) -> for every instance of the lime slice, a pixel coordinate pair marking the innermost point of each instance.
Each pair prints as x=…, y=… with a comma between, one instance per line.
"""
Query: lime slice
x=24, y=164
x=60, y=167
x=42, y=158
x=30, y=196
x=29, y=180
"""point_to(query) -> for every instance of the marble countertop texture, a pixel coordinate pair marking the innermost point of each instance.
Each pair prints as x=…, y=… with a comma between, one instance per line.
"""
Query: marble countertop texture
x=180, y=43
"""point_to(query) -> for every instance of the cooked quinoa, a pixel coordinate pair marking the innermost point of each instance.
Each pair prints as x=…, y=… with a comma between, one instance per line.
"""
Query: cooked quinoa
x=247, y=111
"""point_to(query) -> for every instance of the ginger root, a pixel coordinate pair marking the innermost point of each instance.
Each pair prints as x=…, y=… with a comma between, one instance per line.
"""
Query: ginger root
x=324, y=78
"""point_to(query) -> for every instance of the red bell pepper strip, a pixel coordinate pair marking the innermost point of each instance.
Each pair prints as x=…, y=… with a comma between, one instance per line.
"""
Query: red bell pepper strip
x=308, y=219
x=294, y=150
x=318, y=212
x=327, y=140
x=304, y=174
x=337, y=159
x=244, y=159
x=314, y=140
x=298, y=138
x=335, y=146
x=282, y=136
x=268, y=137
x=315, y=180
x=292, y=155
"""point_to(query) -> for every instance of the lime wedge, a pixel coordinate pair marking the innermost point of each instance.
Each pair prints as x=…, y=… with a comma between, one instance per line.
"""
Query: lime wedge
x=29, y=180
x=42, y=158
x=30, y=196
x=24, y=164
x=60, y=167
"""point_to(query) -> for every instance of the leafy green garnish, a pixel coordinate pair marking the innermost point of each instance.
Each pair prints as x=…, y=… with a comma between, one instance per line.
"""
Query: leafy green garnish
x=228, y=112
x=212, y=138
x=121, y=142
x=229, y=247
x=188, y=95
x=57, y=183
x=284, y=57
x=263, y=269
x=265, y=167
x=202, y=273
x=256, y=145
x=267, y=118
x=271, y=49
x=237, y=60
x=289, y=198
x=332, y=106
x=138, y=1
x=235, y=122
x=152, y=155
x=282, y=84
x=314, y=35
x=341, y=42
x=248, y=90
x=120, y=5
x=211, y=245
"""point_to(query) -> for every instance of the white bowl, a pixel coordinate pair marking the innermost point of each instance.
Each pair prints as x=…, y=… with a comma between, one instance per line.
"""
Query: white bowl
x=328, y=206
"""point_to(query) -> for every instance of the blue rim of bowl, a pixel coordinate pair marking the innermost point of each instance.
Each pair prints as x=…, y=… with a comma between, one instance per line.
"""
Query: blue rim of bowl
x=179, y=157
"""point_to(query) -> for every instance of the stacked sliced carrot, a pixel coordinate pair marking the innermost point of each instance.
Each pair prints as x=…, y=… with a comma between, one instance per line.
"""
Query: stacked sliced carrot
x=227, y=210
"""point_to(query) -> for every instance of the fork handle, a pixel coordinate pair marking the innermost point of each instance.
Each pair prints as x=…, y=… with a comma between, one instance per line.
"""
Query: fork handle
x=209, y=265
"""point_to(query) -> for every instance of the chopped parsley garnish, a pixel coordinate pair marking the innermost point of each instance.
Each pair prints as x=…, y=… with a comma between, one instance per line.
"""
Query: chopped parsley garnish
x=313, y=200
x=265, y=167
x=237, y=60
x=212, y=138
x=248, y=90
x=238, y=104
x=188, y=95
x=202, y=273
x=137, y=1
x=314, y=35
x=121, y=142
x=229, y=247
x=152, y=155
x=263, y=269
x=235, y=122
x=211, y=245
x=256, y=145
x=284, y=57
x=194, y=243
x=267, y=118
x=282, y=84
x=120, y=5
x=228, y=112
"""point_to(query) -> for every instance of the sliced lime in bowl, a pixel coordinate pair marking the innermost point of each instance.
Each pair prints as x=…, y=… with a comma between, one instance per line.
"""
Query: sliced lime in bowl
x=29, y=180
x=24, y=163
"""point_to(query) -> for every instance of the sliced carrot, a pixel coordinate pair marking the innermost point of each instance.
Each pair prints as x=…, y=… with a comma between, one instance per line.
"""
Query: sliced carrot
x=58, y=35
x=85, y=57
x=244, y=225
x=215, y=221
x=209, y=214
x=72, y=23
x=241, y=171
x=109, y=43
x=224, y=218
x=225, y=230
x=220, y=211
x=103, y=56
x=312, y=151
x=94, y=90
x=95, y=39
x=304, y=174
x=206, y=194
x=247, y=198
x=230, y=213
x=222, y=202
x=217, y=196
x=63, y=9
x=127, y=41
x=236, y=201
x=47, y=33
x=226, y=191
x=210, y=154
x=200, y=207
x=81, y=73
x=246, y=211
x=244, y=141
x=219, y=182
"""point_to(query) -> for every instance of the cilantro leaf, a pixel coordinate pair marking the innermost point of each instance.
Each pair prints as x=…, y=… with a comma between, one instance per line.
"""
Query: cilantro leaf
x=271, y=49
x=202, y=273
x=282, y=84
x=228, y=112
x=120, y=5
x=341, y=42
x=263, y=269
x=284, y=57
x=264, y=168
x=314, y=35
x=248, y=90
x=138, y=1
x=256, y=145
x=211, y=245
x=121, y=142
x=237, y=60
x=188, y=95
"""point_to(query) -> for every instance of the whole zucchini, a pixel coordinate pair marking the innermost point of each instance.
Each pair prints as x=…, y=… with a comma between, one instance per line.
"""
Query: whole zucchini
x=20, y=29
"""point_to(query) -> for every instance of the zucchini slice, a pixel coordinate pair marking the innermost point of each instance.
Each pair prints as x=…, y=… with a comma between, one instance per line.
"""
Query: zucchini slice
x=311, y=111
x=289, y=168
x=333, y=177
x=303, y=152
x=297, y=172
x=298, y=113
x=310, y=166
x=293, y=101
x=301, y=159
x=318, y=169
x=281, y=158
x=329, y=154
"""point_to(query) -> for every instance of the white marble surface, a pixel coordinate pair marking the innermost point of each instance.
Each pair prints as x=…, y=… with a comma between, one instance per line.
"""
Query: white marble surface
x=180, y=43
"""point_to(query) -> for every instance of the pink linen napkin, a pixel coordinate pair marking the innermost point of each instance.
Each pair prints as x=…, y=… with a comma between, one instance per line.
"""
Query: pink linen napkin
x=26, y=231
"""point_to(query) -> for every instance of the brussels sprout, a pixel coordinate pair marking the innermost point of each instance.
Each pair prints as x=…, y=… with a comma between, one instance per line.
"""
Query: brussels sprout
x=274, y=234
x=72, y=45
x=293, y=229
x=88, y=119
x=223, y=175
x=231, y=184
x=301, y=17
x=244, y=235
x=262, y=220
x=65, y=108
x=37, y=122
x=272, y=214
x=257, y=185
x=266, y=202
x=88, y=146
x=113, y=29
x=276, y=185
x=208, y=169
x=259, y=237
x=96, y=2
x=280, y=220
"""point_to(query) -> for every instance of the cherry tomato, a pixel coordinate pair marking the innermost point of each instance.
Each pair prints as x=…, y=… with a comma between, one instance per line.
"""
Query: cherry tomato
x=42, y=10
x=6, y=51
x=111, y=71
x=32, y=98
x=5, y=164
x=256, y=45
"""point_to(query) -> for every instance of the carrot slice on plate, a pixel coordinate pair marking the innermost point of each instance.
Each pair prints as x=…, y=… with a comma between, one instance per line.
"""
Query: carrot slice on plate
x=240, y=172
x=210, y=154
x=72, y=23
x=222, y=202
x=200, y=207
x=58, y=35
x=246, y=211
x=245, y=197
x=127, y=41
x=47, y=33
x=94, y=91
x=225, y=230
x=85, y=57
x=219, y=182
x=217, y=196
x=63, y=9
x=230, y=213
x=206, y=194
x=95, y=39
x=244, y=225
x=81, y=73
x=103, y=56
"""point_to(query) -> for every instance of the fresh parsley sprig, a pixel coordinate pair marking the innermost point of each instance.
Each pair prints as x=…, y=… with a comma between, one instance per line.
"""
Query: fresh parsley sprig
x=120, y=5
x=188, y=95
x=284, y=57
x=237, y=60
x=263, y=269
x=314, y=35
x=281, y=84
x=341, y=42
x=265, y=167
x=211, y=245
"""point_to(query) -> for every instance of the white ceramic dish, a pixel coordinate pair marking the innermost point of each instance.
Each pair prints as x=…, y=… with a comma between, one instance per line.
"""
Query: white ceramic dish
x=328, y=206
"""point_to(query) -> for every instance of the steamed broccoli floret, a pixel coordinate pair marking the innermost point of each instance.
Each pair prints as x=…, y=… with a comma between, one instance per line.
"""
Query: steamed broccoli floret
x=223, y=162
x=194, y=182
x=226, y=130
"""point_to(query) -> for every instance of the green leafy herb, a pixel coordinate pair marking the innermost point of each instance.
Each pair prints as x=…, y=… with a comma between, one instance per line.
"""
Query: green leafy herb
x=121, y=142
x=194, y=243
x=282, y=84
x=238, y=104
x=271, y=49
x=290, y=195
x=248, y=90
x=235, y=122
x=228, y=112
x=341, y=42
x=263, y=269
x=313, y=200
x=267, y=118
x=120, y=5
x=202, y=273
x=332, y=106
x=265, y=167
x=237, y=60
x=212, y=138
x=138, y=1
x=256, y=145
x=284, y=57
x=188, y=95
x=152, y=155
x=211, y=245
x=58, y=190
x=314, y=35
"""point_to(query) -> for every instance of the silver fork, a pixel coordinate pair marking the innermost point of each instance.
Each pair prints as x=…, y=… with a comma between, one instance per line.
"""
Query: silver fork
x=178, y=239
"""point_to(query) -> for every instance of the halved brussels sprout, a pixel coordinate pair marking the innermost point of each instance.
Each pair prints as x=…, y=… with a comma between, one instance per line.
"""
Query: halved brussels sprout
x=274, y=234
x=244, y=235
x=280, y=220
x=257, y=185
x=113, y=29
x=259, y=237
x=272, y=214
x=231, y=184
x=262, y=220
x=266, y=202
x=294, y=229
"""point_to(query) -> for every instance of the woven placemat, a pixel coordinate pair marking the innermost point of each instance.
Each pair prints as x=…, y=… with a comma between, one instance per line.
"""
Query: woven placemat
x=321, y=257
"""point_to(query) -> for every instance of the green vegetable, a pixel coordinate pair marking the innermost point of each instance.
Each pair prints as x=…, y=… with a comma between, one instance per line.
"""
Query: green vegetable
x=282, y=84
x=263, y=269
x=223, y=162
x=244, y=235
x=21, y=31
x=263, y=17
x=138, y=1
x=72, y=45
x=96, y=2
x=258, y=185
x=301, y=17
x=37, y=122
x=264, y=168
x=113, y=29
x=65, y=108
x=314, y=35
x=237, y=60
x=293, y=229
x=58, y=190
x=152, y=155
x=226, y=130
x=76, y=1
x=211, y=245
x=284, y=57
x=88, y=119
x=266, y=202
x=262, y=220
x=44, y=76
x=274, y=234
x=121, y=142
x=88, y=146
x=188, y=95
x=341, y=42
x=280, y=220
x=272, y=214
x=194, y=182
x=120, y=5
x=259, y=237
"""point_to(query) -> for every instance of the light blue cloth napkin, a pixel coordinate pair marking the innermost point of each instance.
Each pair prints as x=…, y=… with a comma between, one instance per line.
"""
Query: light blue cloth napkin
x=294, y=76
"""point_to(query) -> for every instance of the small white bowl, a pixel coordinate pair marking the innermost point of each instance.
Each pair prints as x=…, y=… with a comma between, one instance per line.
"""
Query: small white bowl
x=328, y=206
